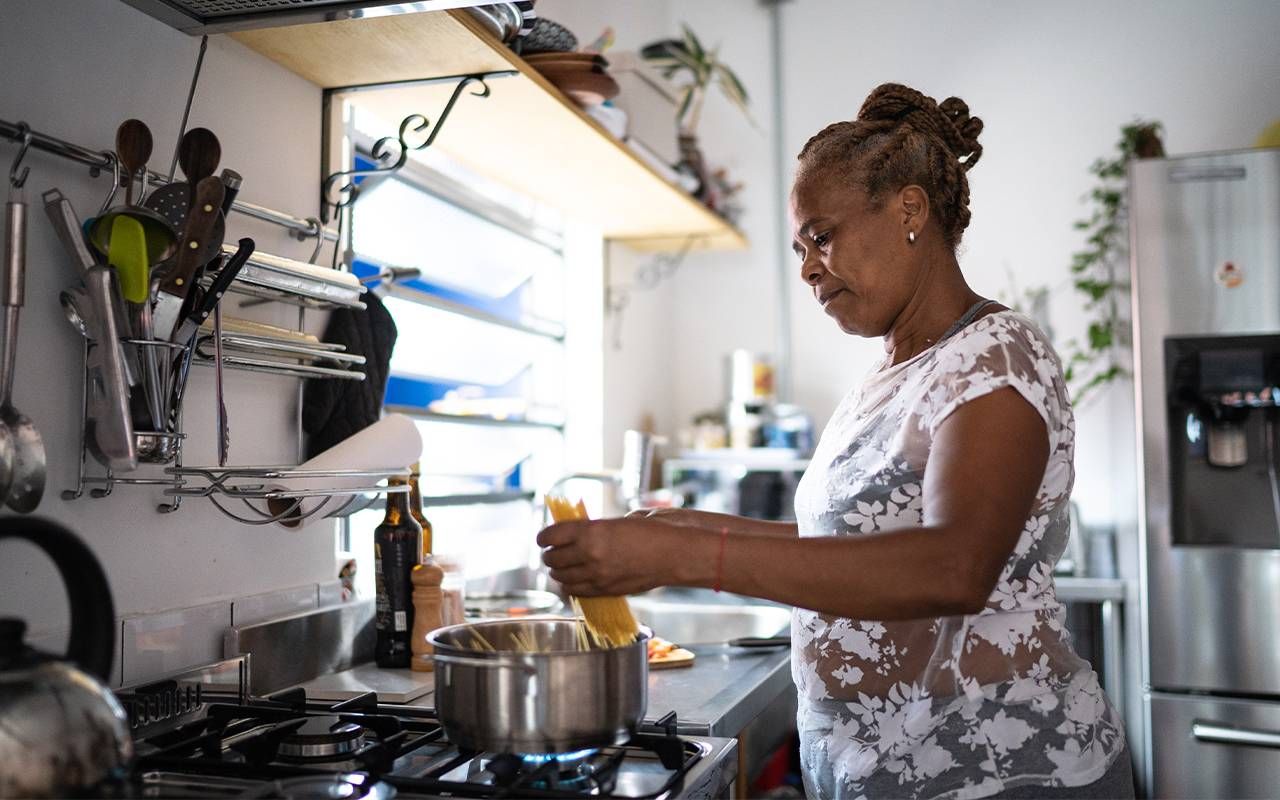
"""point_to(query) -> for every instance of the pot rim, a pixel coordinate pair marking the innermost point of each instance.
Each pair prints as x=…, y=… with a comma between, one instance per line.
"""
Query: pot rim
x=434, y=638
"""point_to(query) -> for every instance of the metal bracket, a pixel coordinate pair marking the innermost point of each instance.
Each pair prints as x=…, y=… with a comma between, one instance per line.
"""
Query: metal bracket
x=339, y=189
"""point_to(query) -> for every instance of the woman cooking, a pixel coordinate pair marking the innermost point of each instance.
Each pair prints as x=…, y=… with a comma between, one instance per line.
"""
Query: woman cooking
x=929, y=650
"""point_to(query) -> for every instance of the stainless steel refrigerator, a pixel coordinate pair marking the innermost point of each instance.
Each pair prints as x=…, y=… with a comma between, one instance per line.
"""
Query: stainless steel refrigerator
x=1206, y=277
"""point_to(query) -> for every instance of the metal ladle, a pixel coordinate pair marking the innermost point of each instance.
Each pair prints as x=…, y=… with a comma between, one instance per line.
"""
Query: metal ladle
x=28, y=460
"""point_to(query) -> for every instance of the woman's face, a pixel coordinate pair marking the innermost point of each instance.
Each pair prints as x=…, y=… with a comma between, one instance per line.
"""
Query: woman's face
x=854, y=256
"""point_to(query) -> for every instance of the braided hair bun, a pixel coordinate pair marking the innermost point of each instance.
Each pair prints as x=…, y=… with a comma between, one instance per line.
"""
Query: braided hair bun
x=903, y=137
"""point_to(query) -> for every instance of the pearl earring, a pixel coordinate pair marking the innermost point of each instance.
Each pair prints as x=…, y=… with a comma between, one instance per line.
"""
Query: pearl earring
x=911, y=237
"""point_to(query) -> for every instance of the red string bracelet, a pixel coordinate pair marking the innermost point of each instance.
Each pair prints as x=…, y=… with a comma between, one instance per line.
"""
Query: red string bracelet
x=724, y=534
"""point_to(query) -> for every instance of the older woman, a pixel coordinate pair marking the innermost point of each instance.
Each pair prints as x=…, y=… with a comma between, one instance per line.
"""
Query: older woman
x=929, y=650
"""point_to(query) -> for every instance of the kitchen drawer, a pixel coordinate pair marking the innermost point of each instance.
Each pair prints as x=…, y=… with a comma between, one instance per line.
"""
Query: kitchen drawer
x=1214, y=747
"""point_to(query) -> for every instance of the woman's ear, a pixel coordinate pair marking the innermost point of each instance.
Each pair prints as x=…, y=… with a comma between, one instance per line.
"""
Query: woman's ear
x=914, y=202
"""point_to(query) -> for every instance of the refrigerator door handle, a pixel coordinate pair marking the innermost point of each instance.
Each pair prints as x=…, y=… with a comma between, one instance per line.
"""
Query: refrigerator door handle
x=1230, y=734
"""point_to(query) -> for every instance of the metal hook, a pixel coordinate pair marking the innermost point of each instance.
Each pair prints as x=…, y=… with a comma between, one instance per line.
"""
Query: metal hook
x=316, y=230
x=16, y=178
x=115, y=180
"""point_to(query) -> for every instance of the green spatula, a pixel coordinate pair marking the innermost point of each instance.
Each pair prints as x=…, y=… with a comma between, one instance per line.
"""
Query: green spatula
x=127, y=252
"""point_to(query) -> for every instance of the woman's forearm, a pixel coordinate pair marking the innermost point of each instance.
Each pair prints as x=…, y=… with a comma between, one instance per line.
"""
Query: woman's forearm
x=710, y=520
x=906, y=574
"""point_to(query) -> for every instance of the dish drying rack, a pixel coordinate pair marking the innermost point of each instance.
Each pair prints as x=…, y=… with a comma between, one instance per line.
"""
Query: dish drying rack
x=265, y=278
x=251, y=485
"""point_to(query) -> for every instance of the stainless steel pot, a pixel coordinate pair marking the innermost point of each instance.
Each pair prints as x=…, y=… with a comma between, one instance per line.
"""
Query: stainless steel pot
x=558, y=700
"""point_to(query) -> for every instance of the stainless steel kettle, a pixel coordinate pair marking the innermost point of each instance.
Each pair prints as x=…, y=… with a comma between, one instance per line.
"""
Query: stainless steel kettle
x=61, y=731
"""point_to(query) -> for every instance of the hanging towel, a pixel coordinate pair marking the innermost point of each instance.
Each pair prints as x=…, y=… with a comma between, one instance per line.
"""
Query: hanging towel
x=333, y=410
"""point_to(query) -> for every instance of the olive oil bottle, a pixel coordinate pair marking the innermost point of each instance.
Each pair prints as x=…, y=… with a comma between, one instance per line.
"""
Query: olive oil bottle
x=397, y=549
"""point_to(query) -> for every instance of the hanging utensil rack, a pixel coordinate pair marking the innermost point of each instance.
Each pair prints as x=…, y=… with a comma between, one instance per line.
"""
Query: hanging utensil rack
x=254, y=487
x=99, y=160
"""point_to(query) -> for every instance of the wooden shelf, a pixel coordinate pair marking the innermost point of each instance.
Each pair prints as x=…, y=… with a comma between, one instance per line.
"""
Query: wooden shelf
x=526, y=134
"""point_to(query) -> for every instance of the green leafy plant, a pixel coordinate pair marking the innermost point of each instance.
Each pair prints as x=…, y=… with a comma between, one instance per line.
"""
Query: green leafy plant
x=1098, y=270
x=699, y=67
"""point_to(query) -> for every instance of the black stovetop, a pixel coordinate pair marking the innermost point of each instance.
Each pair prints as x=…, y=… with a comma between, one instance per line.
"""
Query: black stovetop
x=287, y=746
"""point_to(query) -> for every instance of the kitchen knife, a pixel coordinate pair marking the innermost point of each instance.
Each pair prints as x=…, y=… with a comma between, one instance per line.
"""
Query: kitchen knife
x=231, y=181
x=191, y=324
x=177, y=283
x=760, y=641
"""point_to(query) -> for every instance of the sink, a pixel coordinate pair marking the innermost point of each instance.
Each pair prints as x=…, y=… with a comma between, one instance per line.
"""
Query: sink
x=686, y=623
x=679, y=614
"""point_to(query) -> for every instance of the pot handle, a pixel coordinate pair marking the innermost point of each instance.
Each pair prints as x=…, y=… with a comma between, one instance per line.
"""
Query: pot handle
x=92, y=638
x=485, y=662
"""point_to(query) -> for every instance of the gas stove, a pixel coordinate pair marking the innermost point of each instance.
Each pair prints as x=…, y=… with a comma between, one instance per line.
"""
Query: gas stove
x=231, y=744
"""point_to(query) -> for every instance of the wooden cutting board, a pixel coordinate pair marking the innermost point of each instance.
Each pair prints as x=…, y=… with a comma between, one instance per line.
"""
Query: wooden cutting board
x=392, y=685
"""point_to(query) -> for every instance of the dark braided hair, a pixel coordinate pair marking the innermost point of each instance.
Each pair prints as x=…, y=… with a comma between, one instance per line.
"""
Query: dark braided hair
x=903, y=137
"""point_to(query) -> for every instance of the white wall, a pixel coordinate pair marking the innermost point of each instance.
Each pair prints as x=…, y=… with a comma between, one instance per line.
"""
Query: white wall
x=76, y=69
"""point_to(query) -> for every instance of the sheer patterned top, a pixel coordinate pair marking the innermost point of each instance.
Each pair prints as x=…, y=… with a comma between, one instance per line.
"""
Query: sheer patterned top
x=955, y=707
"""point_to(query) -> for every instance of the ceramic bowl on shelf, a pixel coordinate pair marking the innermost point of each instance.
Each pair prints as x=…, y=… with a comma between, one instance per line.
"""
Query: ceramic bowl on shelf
x=540, y=60
x=586, y=88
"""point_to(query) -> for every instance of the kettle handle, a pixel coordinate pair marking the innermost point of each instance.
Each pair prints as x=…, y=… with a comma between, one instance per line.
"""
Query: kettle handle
x=92, y=612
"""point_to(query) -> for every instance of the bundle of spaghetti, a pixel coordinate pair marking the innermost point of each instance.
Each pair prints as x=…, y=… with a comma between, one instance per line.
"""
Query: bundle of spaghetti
x=525, y=642
x=478, y=642
x=608, y=619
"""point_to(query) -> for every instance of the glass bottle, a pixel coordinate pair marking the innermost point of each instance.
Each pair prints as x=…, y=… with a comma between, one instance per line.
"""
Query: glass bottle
x=415, y=508
x=397, y=548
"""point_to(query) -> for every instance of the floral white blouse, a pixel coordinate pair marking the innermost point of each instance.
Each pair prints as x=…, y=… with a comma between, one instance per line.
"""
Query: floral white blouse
x=951, y=707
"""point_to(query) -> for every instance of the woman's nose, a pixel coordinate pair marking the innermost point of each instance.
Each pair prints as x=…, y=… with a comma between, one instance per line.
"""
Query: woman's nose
x=811, y=271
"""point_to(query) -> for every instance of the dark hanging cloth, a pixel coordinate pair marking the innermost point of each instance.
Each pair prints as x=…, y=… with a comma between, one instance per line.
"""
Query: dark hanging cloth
x=333, y=410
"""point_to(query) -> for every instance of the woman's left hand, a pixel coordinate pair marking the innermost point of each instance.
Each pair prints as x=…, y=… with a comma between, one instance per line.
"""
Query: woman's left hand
x=607, y=557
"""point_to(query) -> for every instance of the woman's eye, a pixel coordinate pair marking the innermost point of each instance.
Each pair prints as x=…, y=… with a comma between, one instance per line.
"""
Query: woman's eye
x=821, y=239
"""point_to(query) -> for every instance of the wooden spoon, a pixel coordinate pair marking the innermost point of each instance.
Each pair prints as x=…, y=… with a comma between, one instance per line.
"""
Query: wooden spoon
x=133, y=147
x=198, y=155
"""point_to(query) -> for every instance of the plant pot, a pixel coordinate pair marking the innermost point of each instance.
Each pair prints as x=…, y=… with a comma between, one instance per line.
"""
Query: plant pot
x=692, y=163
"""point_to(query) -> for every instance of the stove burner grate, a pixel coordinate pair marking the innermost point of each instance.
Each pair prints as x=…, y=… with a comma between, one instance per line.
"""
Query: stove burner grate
x=323, y=737
x=571, y=772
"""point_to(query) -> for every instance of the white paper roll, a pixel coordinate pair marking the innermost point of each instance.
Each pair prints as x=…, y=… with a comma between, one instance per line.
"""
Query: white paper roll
x=392, y=442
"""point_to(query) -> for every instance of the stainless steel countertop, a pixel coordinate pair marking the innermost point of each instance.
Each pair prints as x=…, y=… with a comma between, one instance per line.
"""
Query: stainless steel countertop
x=725, y=689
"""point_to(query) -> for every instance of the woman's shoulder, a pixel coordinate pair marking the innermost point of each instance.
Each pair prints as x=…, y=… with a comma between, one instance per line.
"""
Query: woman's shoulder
x=1007, y=330
x=1002, y=349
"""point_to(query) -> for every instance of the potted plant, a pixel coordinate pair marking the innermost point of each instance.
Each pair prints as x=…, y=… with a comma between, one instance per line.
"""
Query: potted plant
x=697, y=67
x=1099, y=271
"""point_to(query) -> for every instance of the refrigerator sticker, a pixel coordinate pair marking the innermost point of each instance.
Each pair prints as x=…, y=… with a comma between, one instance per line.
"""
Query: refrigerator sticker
x=1229, y=275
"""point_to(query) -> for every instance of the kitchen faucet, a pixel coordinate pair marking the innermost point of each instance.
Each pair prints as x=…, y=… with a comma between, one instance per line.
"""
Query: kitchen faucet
x=631, y=481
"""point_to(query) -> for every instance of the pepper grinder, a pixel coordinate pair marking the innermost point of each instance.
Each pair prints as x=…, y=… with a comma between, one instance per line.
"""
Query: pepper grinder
x=428, y=612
